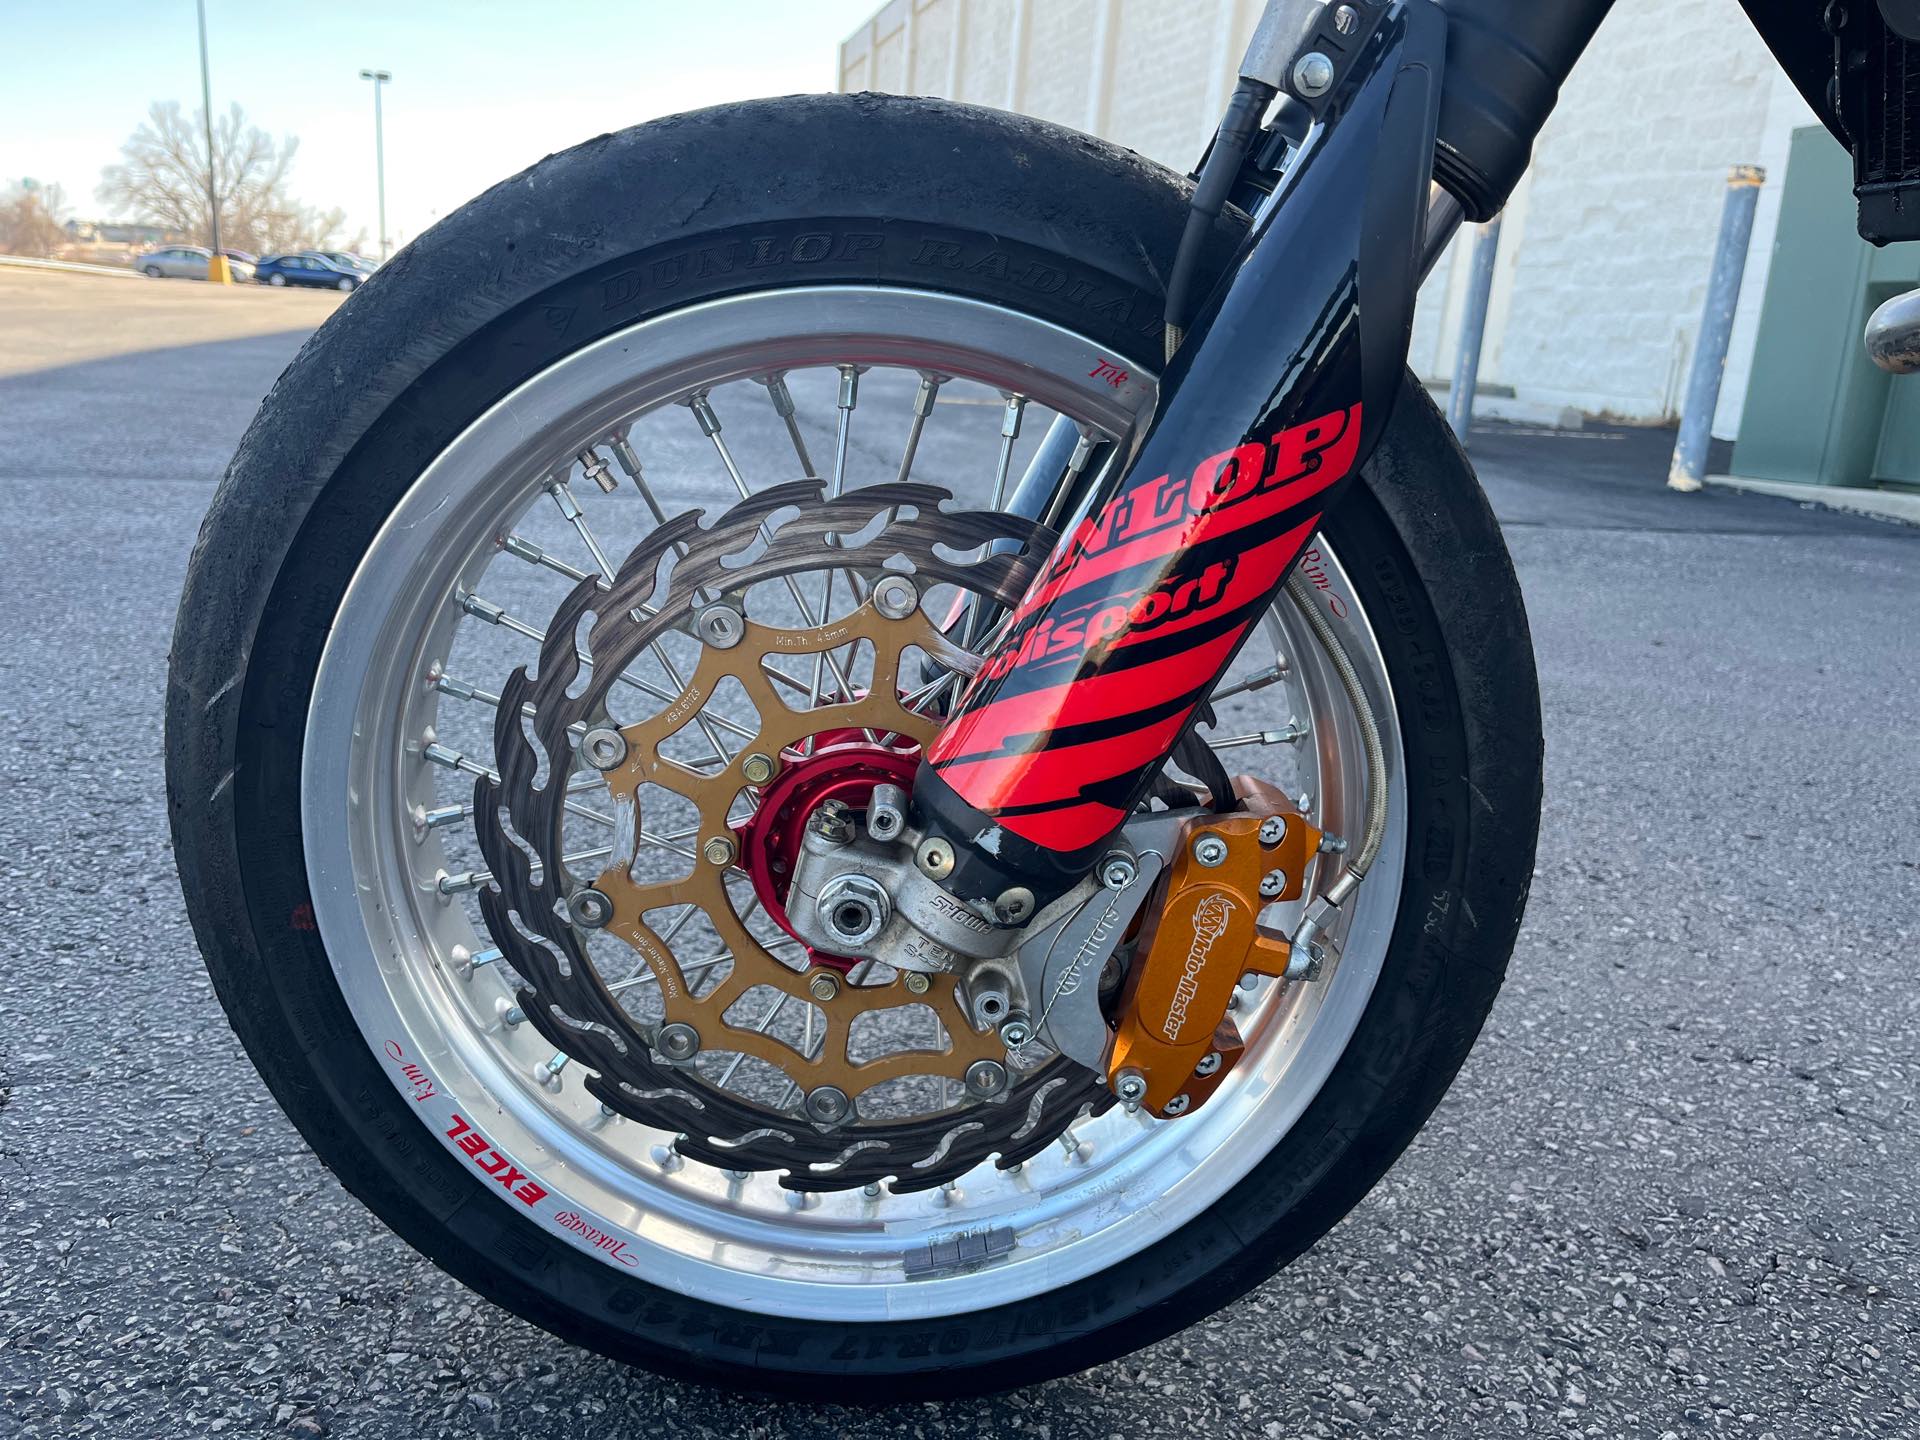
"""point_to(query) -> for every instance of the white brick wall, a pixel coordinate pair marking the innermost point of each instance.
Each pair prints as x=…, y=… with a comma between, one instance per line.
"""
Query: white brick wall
x=1605, y=249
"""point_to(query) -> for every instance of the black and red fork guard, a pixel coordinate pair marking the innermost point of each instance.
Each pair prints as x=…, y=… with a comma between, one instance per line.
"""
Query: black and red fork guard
x=1279, y=393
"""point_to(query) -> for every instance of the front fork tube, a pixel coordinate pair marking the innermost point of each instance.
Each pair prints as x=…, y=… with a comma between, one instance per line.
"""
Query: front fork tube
x=1280, y=391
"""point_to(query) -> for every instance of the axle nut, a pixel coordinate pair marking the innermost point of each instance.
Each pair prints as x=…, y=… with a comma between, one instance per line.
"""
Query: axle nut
x=854, y=908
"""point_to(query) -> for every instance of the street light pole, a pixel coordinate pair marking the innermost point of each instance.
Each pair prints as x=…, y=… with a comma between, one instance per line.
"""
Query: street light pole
x=379, y=78
x=217, y=270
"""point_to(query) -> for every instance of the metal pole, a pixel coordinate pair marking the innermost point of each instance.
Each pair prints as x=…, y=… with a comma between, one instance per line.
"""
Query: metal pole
x=1473, y=330
x=216, y=265
x=1716, y=329
x=379, y=78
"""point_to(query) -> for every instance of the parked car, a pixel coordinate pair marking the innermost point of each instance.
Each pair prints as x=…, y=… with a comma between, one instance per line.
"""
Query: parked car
x=189, y=262
x=309, y=268
x=351, y=260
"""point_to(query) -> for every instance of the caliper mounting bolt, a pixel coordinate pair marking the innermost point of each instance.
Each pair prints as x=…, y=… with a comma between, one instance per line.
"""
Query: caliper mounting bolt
x=1210, y=851
x=1118, y=870
x=1131, y=1087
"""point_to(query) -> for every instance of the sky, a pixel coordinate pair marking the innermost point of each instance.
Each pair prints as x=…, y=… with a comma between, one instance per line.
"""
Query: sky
x=480, y=89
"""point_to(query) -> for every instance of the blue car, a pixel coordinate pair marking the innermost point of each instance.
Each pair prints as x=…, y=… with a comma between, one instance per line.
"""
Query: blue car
x=307, y=268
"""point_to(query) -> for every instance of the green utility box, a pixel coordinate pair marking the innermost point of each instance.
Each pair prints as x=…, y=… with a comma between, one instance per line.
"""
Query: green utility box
x=1818, y=411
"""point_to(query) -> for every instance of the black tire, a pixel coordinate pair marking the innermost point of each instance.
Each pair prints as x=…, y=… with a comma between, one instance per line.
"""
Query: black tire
x=943, y=196
x=153, y=272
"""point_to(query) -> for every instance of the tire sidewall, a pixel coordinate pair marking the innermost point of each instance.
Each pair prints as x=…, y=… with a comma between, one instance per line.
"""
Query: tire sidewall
x=274, y=976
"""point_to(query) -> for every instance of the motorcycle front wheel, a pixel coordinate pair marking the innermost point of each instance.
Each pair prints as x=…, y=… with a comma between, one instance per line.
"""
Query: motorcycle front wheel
x=715, y=300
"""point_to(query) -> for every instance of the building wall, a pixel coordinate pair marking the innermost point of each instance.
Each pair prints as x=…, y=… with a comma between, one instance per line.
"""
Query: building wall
x=1604, y=250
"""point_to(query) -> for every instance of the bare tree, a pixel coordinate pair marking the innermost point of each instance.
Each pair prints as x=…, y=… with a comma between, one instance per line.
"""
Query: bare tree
x=30, y=219
x=162, y=180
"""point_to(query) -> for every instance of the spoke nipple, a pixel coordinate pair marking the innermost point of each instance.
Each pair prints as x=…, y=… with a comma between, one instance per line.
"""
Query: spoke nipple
x=718, y=850
x=947, y=1194
x=607, y=1112
x=481, y=609
x=740, y=1176
x=823, y=986
x=871, y=1190
x=757, y=769
x=703, y=412
x=667, y=1158
x=802, y=1199
x=510, y=1014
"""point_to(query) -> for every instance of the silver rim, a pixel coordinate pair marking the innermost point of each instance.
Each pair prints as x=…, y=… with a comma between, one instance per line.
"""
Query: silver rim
x=394, y=905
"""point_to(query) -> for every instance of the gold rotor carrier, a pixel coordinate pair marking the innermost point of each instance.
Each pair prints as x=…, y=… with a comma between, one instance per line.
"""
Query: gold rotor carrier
x=782, y=729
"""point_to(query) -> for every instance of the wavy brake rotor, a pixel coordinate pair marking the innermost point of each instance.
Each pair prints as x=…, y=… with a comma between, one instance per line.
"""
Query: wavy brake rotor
x=669, y=578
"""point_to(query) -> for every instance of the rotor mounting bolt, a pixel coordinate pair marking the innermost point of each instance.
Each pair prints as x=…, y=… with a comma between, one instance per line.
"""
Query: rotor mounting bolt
x=677, y=1041
x=986, y=1078
x=721, y=626
x=1177, y=1106
x=1118, y=871
x=1210, y=851
x=916, y=982
x=896, y=597
x=1014, y=905
x=1272, y=830
x=589, y=909
x=1272, y=883
x=828, y=1105
x=1130, y=1086
x=757, y=769
x=718, y=850
x=1312, y=75
x=603, y=747
x=823, y=986
x=1209, y=1063
x=935, y=858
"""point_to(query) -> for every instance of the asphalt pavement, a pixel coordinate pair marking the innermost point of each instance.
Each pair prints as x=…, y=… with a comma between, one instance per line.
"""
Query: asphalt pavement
x=1672, y=1194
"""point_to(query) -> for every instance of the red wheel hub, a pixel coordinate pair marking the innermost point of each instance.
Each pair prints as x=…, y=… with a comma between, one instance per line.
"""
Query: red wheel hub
x=843, y=765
